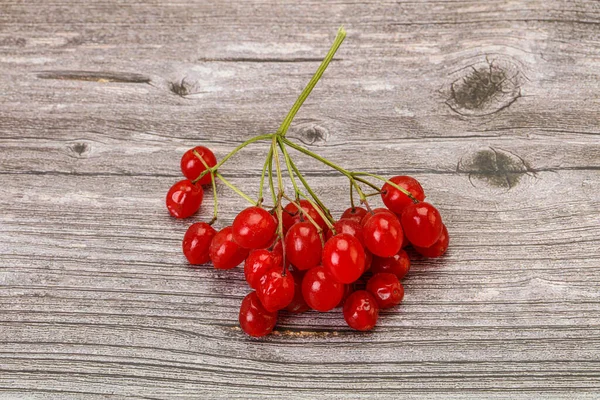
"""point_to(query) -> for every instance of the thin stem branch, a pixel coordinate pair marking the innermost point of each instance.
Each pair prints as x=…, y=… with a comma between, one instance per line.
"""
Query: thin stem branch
x=262, y=175
x=316, y=156
x=392, y=184
x=231, y=153
x=235, y=189
x=341, y=35
x=288, y=164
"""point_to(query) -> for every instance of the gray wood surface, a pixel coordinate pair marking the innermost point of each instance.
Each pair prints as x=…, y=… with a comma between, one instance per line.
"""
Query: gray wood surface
x=494, y=105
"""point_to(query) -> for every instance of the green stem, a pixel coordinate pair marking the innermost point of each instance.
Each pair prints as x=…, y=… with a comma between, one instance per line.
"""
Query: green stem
x=352, y=195
x=262, y=176
x=392, y=184
x=234, y=188
x=366, y=182
x=317, y=157
x=341, y=35
x=215, y=198
x=308, y=217
x=311, y=192
x=231, y=153
x=286, y=157
x=271, y=184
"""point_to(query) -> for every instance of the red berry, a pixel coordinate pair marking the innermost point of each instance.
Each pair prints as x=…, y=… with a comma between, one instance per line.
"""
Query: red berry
x=398, y=264
x=303, y=246
x=276, y=290
x=368, y=215
x=438, y=248
x=386, y=288
x=422, y=224
x=383, y=234
x=192, y=166
x=257, y=264
x=361, y=310
x=348, y=226
x=320, y=290
x=255, y=320
x=184, y=199
x=298, y=304
x=344, y=257
x=254, y=228
x=196, y=243
x=397, y=201
x=355, y=213
x=291, y=215
x=224, y=252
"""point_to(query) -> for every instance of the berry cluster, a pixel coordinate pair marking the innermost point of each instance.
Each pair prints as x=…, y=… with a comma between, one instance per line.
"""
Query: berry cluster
x=296, y=256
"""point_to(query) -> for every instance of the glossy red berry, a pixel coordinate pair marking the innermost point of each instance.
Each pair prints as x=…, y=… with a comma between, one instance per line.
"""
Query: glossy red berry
x=422, y=224
x=254, y=228
x=224, y=252
x=368, y=215
x=438, y=248
x=257, y=264
x=361, y=310
x=383, y=234
x=192, y=166
x=320, y=290
x=298, y=304
x=348, y=226
x=291, y=215
x=344, y=257
x=386, y=288
x=397, y=201
x=184, y=199
x=398, y=264
x=276, y=290
x=254, y=319
x=196, y=243
x=354, y=213
x=303, y=246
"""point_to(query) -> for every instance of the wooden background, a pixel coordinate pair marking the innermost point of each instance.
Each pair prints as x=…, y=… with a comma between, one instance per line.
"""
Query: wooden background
x=494, y=105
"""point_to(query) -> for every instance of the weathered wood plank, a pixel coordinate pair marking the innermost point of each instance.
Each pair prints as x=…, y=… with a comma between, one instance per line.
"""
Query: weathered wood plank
x=99, y=100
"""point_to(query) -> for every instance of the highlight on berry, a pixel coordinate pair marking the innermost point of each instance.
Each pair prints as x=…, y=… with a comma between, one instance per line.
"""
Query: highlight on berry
x=296, y=256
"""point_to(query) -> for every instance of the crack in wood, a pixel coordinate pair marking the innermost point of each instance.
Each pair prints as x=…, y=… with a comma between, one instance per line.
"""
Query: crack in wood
x=92, y=76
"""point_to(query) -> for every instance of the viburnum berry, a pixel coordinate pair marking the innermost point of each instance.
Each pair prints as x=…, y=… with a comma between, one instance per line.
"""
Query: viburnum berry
x=368, y=215
x=344, y=257
x=361, y=310
x=298, y=304
x=383, y=234
x=254, y=319
x=257, y=264
x=354, y=213
x=398, y=264
x=254, y=228
x=192, y=166
x=224, y=252
x=184, y=199
x=303, y=246
x=438, y=248
x=386, y=288
x=291, y=215
x=397, y=201
x=196, y=243
x=349, y=226
x=320, y=289
x=276, y=289
x=422, y=224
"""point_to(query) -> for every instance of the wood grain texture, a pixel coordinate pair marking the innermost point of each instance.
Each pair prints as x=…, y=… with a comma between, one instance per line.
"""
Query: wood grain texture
x=492, y=105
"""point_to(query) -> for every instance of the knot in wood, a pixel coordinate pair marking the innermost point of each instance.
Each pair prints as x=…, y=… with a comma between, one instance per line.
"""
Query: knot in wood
x=495, y=167
x=484, y=88
x=311, y=134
